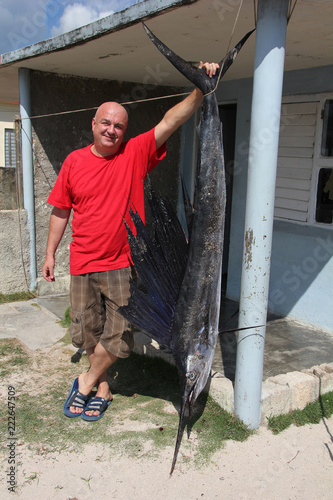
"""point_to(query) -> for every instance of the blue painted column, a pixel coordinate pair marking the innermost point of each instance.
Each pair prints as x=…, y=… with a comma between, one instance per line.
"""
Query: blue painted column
x=28, y=168
x=264, y=137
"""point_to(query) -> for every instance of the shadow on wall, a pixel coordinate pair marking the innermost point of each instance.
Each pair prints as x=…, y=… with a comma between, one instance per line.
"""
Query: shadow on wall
x=302, y=260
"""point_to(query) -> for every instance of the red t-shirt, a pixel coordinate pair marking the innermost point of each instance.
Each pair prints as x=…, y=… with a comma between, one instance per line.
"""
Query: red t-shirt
x=101, y=190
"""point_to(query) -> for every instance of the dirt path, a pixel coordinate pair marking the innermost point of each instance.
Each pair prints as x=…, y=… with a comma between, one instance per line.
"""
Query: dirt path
x=293, y=465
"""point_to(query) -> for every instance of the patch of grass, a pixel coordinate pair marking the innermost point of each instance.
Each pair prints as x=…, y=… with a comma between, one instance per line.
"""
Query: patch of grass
x=9, y=347
x=15, y=297
x=311, y=414
x=215, y=426
x=66, y=322
x=13, y=356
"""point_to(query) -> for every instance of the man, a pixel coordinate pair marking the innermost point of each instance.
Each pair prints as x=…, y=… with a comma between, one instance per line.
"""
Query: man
x=100, y=183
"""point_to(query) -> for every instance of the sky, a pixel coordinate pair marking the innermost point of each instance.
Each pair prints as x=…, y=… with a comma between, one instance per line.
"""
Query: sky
x=24, y=22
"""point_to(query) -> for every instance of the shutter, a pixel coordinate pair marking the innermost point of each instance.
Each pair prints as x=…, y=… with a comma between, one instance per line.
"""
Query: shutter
x=295, y=160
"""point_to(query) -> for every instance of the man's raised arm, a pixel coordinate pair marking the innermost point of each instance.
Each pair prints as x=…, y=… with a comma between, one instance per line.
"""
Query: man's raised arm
x=182, y=111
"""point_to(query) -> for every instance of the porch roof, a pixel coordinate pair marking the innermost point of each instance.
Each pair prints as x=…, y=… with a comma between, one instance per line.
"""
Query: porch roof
x=117, y=48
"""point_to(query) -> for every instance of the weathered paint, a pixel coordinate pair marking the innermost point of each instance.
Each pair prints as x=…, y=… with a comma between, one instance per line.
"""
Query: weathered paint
x=249, y=241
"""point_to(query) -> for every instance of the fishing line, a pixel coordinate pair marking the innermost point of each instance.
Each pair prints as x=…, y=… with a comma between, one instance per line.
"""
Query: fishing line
x=241, y=329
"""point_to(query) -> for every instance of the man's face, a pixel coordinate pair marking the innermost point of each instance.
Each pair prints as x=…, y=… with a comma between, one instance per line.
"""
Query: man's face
x=109, y=126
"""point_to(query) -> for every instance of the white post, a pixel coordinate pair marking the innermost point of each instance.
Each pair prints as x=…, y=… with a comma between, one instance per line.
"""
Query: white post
x=28, y=168
x=264, y=137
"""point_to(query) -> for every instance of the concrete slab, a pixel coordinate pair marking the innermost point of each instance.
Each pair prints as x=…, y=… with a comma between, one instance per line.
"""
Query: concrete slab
x=56, y=304
x=31, y=323
x=289, y=345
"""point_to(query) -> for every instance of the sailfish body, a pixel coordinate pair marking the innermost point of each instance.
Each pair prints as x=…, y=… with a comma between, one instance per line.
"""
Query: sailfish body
x=183, y=312
x=195, y=326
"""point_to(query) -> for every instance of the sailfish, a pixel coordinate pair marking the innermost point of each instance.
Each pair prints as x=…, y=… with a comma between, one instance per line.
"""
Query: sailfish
x=178, y=301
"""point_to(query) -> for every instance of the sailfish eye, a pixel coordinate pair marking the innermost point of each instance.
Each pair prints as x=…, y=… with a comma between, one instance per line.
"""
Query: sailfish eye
x=191, y=375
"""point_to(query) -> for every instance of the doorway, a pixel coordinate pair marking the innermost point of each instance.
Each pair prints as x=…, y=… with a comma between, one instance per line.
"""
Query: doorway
x=228, y=114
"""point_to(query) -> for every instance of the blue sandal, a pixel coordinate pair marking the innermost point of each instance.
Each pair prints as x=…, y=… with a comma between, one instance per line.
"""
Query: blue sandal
x=75, y=398
x=95, y=404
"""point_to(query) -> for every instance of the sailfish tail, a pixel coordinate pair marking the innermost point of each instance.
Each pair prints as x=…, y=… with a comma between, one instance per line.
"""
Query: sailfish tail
x=195, y=75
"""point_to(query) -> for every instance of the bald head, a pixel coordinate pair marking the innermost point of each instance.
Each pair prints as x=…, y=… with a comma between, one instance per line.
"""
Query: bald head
x=111, y=107
x=109, y=125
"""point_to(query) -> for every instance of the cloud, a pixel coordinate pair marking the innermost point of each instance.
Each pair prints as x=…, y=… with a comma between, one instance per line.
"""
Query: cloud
x=81, y=13
x=77, y=15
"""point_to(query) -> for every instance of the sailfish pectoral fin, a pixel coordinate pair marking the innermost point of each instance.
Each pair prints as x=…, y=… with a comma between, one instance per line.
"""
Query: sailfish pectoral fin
x=160, y=262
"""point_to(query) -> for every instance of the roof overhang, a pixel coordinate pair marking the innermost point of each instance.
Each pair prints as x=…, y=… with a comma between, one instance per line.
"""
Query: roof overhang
x=117, y=48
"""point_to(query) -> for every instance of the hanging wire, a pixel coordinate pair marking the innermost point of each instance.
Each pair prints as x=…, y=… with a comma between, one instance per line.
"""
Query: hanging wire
x=228, y=47
x=255, y=7
x=59, y=113
x=291, y=9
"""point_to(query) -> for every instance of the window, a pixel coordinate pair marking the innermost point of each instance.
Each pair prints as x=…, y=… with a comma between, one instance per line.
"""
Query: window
x=10, y=148
x=324, y=206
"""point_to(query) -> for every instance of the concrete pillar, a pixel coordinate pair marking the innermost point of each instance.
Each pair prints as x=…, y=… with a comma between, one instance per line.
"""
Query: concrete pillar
x=264, y=137
x=28, y=168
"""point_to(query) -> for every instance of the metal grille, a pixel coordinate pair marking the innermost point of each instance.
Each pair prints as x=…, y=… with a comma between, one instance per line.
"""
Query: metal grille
x=10, y=148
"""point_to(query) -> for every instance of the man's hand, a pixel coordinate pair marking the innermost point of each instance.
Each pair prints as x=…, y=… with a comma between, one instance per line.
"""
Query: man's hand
x=48, y=268
x=210, y=68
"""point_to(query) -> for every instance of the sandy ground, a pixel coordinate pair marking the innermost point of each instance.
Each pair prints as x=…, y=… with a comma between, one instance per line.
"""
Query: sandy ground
x=297, y=464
